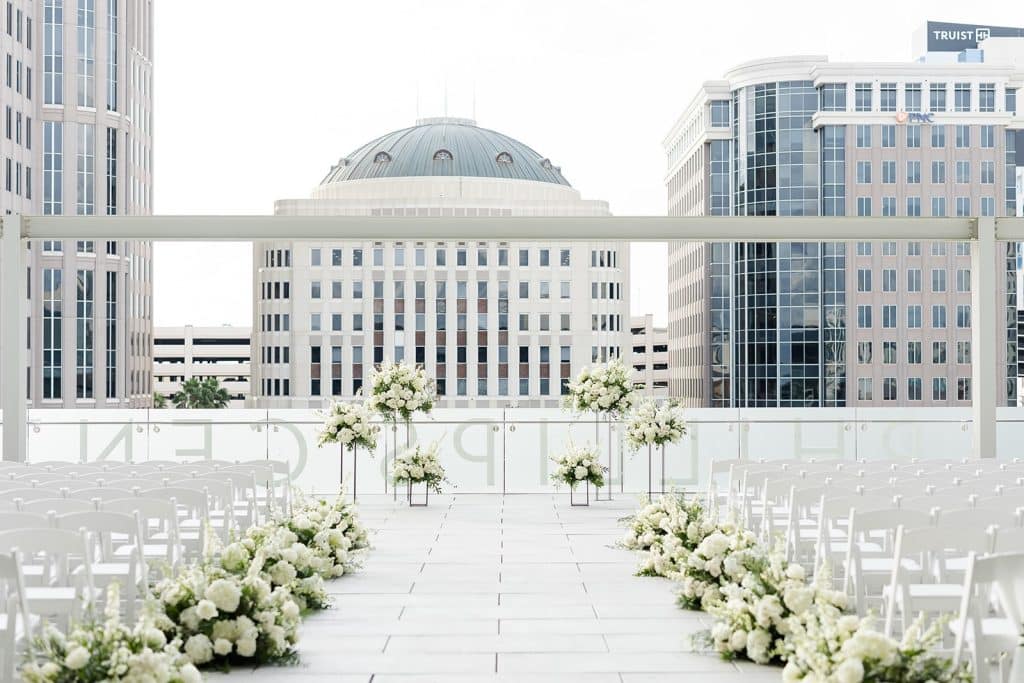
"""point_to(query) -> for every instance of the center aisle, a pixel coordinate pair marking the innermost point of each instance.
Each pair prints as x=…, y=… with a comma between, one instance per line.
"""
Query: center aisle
x=492, y=588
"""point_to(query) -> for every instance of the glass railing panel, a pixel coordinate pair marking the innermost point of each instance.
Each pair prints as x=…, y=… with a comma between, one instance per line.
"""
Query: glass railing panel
x=75, y=435
x=907, y=433
x=1009, y=433
x=228, y=434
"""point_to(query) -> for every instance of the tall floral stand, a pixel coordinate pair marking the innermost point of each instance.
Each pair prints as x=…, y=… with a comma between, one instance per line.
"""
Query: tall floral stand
x=650, y=472
x=394, y=452
x=586, y=500
x=426, y=495
x=597, y=445
x=355, y=470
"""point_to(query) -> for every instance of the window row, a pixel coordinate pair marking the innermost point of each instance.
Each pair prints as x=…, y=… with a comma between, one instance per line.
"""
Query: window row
x=462, y=256
x=962, y=136
x=939, y=208
x=913, y=248
x=865, y=389
x=913, y=280
x=966, y=97
x=913, y=320
x=865, y=352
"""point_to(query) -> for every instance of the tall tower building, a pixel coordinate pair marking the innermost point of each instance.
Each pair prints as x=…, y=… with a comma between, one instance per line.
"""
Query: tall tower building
x=77, y=101
x=832, y=323
x=495, y=322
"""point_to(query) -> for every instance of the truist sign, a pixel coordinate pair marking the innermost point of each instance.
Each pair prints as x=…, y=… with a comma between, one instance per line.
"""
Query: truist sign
x=915, y=117
x=947, y=37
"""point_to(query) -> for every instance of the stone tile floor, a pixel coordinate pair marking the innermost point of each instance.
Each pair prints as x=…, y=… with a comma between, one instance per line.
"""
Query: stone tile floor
x=502, y=588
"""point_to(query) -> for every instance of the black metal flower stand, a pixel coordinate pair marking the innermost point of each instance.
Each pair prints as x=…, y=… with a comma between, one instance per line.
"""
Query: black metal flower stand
x=597, y=447
x=426, y=495
x=650, y=472
x=355, y=466
x=572, y=496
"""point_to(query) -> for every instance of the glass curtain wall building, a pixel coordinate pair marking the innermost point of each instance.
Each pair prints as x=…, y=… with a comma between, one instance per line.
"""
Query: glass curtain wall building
x=832, y=323
x=79, y=141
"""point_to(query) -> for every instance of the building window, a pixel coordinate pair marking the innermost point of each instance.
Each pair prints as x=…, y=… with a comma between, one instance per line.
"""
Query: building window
x=863, y=136
x=889, y=280
x=914, y=353
x=887, y=97
x=988, y=137
x=913, y=206
x=864, y=316
x=938, y=172
x=986, y=97
x=913, y=172
x=888, y=206
x=963, y=205
x=864, y=172
x=888, y=136
x=381, y=158
x=864, y=352
x=1011, y=100
x=111, y=311
x=938, y=136
x=939, y=353
x=963, y=316
x=863, y=279
x=84, y=335
x=52, y=301
x=53, y=168
x=889, y=316
x=938, y=280
x=939, y=316
x=937, y=97
x=988, y=206
x=963, y=353
x=720, y=114
x=862, y=97
x=914, y=389
x=913, y=136
x=443, y=155
x=86, y=53
x=914, y=317
x=888, y=171
x=314, y=370
x=864, y=389
x=962, y=97
x=889, y=389
x=863, y=206
x=938, y=388
x=963, y=388
x=912, y=97
x=111, y=171
x=963, y=136
x=833, y=97
x=53, y=51
x=86, y=169
x=939, y=205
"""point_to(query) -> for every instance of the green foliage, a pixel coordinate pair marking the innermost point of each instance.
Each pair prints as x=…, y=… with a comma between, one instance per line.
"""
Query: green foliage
x=206, y=394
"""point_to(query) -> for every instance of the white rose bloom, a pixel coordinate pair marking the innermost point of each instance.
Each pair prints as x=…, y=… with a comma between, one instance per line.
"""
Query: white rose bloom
x=224, y=594
x=222, y=647
x=190, y=674
x=246, y=647
x=738, y=640
x=199, y=649
x=206, y=610
x=850, y=671
x=76, y=658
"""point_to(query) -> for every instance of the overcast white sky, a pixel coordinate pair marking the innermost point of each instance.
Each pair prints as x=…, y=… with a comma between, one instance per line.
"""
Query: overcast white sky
x=255, y=99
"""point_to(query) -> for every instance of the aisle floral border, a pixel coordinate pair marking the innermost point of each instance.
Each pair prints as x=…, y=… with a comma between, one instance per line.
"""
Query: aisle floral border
x=764, y=607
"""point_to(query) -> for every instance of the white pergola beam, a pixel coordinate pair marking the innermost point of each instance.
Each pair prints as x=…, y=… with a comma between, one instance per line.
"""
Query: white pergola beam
x=505, y=228
x=12, y=327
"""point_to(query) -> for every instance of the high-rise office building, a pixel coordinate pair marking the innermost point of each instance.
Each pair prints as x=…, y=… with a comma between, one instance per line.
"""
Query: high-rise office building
x=496, y=322
x=832, y=323
x=78, y=140
x=189, y=352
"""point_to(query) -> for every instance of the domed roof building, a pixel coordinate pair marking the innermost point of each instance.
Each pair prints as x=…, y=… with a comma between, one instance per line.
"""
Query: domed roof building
x=495, y=322
x=442, y=166
x=445, y=147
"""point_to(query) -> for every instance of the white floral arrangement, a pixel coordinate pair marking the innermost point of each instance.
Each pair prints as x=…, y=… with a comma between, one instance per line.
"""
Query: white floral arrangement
x=420, y=464
x=600, y=389
x=399, y=391
x=665, y=531
x=831, y=647
x=109, y=651
x=757, y=612
x=349, y=424
x=221, y=617
x=652, y=424
x=720, y=559
x=578, y=465
x=319, y=540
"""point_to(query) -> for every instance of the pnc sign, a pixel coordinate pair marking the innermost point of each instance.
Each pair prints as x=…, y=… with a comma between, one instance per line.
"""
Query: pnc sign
x=915, y=117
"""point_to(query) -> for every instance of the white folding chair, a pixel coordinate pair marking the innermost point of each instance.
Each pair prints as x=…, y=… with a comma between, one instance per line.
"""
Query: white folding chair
x=931, y=590
x=275, y=476
x=161, y=544
x=244, y=493
x=62, y=593
x=100, y=493
x=993, y=637
x=869, y=552
x=110, y=532
x=220, y=513
x=16, y=622
x=30, y=494
x=192, y=507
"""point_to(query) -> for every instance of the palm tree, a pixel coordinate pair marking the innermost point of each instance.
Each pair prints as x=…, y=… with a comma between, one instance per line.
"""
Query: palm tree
x=204, y=394
x=159, y=400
